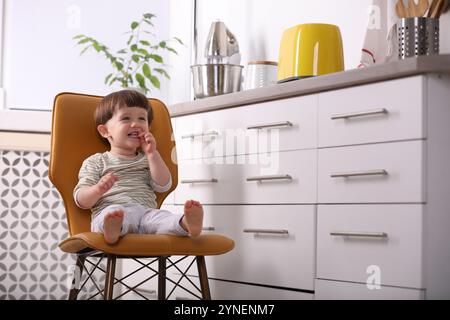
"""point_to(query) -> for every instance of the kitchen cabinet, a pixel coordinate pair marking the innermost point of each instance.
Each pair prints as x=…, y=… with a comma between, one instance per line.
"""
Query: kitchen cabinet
x=258, y=190
x=379, y=112
x=284, y=177
x=281, y=125
x=366, y=165
x=381, y=225
x=353, y=239
x=373, y=173
x=350, y=202
x=273, y=244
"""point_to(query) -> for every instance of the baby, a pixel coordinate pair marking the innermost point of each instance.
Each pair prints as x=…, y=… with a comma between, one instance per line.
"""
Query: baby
x=119, y=185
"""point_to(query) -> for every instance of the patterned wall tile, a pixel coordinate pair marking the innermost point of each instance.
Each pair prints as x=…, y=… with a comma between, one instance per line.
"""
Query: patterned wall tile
x=32, y=223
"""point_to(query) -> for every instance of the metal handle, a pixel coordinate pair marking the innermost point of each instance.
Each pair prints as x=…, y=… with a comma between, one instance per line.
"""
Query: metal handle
x=202, y=134
x=209, y=229
x=359, y=234
x=266, y=231
x=381, y=172
x=284, y=124
x=359, y=114
x=192, y=136
x=193, y=181
x=270, y=178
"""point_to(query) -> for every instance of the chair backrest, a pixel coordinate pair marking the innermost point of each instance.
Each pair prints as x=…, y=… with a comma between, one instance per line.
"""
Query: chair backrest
x=74, y=138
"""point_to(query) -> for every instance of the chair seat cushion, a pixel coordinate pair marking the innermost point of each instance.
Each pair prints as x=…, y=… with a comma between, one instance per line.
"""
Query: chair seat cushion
x=148, y=245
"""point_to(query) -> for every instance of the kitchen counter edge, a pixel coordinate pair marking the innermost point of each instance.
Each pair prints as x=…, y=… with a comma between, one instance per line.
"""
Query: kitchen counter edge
x=340, y=80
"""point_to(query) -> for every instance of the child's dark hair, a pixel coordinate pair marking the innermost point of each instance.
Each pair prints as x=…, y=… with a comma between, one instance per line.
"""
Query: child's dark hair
x=118, y=100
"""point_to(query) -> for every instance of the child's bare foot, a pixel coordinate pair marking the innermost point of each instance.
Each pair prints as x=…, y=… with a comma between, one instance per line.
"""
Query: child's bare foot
x=112, y=225
x=192, y=220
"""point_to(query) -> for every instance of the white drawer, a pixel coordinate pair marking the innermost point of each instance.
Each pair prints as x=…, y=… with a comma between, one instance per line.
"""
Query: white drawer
x=299, y=167
x=271, y=178
x=283, y=125
x=386, y=245
x=336, y=290
x=272, y=258
x=210, y=181
x=379, y=173
x=216, y=134
x=232, y=135
x=388, y=111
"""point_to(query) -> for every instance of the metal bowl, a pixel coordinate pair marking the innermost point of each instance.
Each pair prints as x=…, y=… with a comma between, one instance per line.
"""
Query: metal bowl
x=216, y=79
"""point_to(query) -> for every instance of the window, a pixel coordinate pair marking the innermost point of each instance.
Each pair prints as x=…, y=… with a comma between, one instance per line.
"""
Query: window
x=40, y=58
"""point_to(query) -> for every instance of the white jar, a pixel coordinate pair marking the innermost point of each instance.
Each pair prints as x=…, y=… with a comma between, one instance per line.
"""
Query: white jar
x=260, y=74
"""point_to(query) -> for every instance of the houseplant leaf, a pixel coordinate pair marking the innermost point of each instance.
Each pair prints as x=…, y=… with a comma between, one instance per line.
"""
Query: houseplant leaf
x=163, y=72
x=155, y=81
x=138, y=60
x=146, y=70
x=141, y=80
x=156, y=57
x=149, y=15
x=134, y=25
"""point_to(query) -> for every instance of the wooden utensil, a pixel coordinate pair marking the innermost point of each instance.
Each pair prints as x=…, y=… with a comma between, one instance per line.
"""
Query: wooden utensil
x=421, y=8
x=417, y=10
x=439, y=10
x=411, y=8
x=447, y=6
x=400, y=9
x=431, y=8
x=436, y=9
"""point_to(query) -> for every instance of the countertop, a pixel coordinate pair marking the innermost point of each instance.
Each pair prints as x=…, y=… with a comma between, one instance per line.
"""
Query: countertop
x=387, y=71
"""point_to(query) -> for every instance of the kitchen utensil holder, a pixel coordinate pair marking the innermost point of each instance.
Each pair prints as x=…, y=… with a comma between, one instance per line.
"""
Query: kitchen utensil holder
x=418, y=36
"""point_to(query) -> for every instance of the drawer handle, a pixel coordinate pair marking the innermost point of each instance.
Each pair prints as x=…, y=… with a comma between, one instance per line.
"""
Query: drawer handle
x=270, y=178
x=382, y=235
x=266, y=231
x=194, y=181
x=381, y=172
x=198, y=135
x=209, y=229
x=359, y=114
x=284, y=124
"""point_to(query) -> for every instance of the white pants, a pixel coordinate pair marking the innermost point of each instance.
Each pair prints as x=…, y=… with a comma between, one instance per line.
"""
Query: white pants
x=143, y=220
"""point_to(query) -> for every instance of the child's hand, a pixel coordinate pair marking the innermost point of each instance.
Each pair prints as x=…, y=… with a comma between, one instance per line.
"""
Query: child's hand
x=148, y=143
x=105, y=183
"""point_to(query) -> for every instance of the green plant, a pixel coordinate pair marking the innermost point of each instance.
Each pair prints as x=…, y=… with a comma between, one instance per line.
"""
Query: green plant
x=140, y=62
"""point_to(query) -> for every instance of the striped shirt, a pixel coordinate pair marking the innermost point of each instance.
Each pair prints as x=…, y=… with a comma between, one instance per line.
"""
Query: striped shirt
x=134, y=184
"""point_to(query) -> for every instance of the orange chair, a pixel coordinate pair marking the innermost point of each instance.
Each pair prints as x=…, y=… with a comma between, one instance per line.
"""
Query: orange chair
x=74, y=138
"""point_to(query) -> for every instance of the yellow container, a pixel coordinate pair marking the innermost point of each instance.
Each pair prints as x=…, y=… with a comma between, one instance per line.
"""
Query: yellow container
x=309, y=50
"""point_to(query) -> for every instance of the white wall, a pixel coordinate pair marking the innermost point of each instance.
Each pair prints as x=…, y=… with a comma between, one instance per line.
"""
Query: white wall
x=444, y=29
x=259, y=25
x=180, y=25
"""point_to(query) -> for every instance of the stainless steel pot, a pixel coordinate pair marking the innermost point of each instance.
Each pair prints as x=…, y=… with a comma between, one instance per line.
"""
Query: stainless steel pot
x=216, y=79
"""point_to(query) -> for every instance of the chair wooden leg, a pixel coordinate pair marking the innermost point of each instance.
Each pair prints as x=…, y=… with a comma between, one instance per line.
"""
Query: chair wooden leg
x=203, y=276
x=162, y=278
x=109, y=279
x=75, y=285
